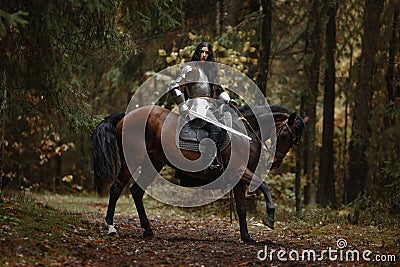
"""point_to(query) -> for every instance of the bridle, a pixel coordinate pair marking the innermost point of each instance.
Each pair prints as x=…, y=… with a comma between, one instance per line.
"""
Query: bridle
x=280, y=156
x=280, y=131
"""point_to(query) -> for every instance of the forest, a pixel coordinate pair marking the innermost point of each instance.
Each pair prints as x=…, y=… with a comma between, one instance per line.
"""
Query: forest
x=66, y=65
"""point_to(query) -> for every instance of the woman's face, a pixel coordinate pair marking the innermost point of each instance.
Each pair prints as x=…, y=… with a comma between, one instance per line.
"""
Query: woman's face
x=204, y=53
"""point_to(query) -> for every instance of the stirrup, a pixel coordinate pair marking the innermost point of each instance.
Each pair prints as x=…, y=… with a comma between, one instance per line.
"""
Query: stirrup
x=215, y=164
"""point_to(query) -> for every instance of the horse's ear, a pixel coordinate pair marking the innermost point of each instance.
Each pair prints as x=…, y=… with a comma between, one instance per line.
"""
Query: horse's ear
x=279, y=116
x=292, y=118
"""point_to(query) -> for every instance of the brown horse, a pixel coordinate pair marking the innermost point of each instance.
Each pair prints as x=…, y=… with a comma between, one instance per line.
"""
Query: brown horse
x=146, y=149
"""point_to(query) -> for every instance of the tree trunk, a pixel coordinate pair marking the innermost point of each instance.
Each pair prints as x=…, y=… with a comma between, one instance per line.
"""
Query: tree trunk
x=3, y=105
x=359, y=142
x=218, y=16
x=312, y=60
x=228, y=9
x=297, y=187
x=390, y=81
x=396, y=43
x=326, y=187
x=265, y=45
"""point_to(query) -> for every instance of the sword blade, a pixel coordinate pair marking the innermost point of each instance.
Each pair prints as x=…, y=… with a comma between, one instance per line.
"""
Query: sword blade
x=217, y=123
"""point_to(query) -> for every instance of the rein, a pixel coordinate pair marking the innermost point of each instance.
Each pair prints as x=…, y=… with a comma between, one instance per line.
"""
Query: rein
x=243, y=118
x=279, y=131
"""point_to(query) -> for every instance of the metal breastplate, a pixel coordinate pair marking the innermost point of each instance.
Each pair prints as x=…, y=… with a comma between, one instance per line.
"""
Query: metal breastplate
x=202, y=106
x=199, y=88
x=199, y=105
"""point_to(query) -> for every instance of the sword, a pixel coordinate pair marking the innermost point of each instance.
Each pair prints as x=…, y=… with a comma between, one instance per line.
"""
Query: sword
x=223, y=126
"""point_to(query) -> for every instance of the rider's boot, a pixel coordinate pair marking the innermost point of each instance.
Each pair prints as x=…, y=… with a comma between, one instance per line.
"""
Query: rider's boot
x=214, y=134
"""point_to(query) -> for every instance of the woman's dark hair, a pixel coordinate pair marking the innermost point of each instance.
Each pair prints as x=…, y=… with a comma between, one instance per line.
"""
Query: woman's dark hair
x=209, y=69
x=196, y=55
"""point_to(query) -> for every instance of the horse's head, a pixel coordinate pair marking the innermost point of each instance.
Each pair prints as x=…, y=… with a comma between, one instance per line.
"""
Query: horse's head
x=289, y=127
x=288, y=132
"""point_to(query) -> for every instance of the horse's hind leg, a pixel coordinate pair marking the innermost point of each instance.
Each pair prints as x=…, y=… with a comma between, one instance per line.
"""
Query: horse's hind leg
x=115, y=192
x=137, y=189
x=239, y=191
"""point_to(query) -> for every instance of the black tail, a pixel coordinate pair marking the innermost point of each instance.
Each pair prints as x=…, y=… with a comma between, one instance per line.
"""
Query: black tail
x=104, y=151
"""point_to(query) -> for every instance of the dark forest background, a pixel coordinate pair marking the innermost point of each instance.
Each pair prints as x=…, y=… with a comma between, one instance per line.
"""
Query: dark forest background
x=64, y=65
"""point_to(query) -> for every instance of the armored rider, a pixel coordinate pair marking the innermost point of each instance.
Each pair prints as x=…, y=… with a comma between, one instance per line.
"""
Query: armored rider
x=194, y=87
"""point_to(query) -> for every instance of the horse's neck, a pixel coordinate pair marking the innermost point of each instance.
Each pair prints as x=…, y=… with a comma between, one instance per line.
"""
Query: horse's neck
x=267, y=127
x=260, y=121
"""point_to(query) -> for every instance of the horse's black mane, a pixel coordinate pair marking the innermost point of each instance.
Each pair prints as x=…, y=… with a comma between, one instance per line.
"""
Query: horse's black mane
x=276, y=110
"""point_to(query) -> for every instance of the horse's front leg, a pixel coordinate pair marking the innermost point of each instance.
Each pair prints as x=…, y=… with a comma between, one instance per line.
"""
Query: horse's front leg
x=137, y=190
x=268, y=220
x=115, y=193
x=239, y=191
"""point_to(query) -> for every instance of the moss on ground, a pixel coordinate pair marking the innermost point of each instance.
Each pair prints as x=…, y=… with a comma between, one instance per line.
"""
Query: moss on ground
x=29, y=231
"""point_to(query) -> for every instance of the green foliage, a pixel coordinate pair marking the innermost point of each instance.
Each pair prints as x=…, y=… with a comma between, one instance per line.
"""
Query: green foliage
x=282, y=186
x=64, y=47
x=66, y=64
x=163, y=21
x=150, y=17
x=392, y=172
x=392, y=169
x=369, y=210
x=15, y=20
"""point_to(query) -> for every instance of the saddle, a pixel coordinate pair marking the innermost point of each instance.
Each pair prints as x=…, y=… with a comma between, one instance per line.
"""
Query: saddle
x=193, y=132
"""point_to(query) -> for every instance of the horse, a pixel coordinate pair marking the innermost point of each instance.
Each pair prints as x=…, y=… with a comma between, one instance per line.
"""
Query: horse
x=110, y=165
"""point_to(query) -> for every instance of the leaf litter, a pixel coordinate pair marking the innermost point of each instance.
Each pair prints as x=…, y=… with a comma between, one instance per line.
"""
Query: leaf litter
x=37, y=234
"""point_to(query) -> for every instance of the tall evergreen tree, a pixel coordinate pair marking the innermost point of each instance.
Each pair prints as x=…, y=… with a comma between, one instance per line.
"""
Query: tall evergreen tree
x=360, y=134
x=326, y=181
x=312, y=59
x=265, y=45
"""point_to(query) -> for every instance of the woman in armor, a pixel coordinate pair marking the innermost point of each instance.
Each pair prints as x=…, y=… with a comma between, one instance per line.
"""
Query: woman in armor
x=194, y=87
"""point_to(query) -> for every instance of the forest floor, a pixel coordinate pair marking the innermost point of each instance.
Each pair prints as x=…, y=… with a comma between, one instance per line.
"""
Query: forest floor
x=54, y=230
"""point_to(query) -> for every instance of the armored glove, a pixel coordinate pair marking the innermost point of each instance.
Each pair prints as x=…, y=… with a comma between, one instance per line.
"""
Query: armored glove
x=183, y=109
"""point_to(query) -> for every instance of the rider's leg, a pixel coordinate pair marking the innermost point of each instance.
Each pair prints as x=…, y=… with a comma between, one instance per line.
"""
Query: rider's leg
x=214, y=133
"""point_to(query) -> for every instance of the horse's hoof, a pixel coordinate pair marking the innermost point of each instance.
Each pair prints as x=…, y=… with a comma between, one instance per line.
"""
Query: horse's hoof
x=148, y=234
x=269, y=222
x=111, y=230
x=248, y=240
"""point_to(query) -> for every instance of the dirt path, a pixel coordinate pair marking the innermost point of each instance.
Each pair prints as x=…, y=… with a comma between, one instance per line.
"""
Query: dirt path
x=176, y=242
x=40, y=235
x=216, y=242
